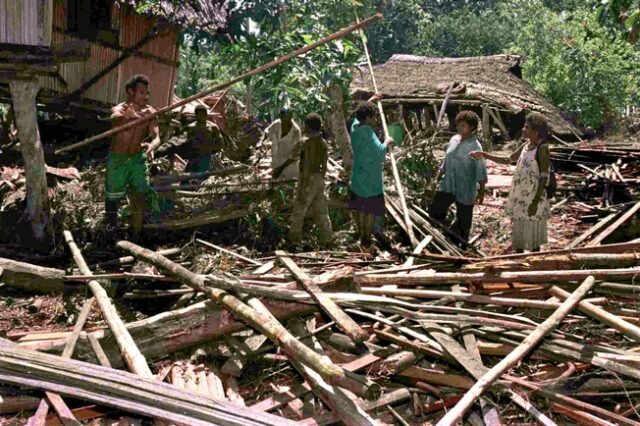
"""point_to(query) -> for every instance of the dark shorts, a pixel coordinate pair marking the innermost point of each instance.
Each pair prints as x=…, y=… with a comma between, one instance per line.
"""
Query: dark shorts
x=370, y=205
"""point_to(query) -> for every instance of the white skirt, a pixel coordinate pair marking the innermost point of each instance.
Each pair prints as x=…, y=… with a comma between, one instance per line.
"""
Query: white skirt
x=528, y=234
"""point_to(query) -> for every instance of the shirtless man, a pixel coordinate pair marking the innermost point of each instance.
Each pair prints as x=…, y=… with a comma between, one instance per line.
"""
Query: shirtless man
x=127, y=167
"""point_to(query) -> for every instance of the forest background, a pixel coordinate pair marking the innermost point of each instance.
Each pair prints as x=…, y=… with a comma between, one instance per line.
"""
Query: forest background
x=583, y=55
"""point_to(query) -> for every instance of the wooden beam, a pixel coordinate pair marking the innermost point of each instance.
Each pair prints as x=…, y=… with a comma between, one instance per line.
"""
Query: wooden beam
x=535, y=337
x=343, y=321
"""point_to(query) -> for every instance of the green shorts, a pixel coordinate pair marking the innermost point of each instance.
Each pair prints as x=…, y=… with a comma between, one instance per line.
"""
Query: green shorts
x=126, y=171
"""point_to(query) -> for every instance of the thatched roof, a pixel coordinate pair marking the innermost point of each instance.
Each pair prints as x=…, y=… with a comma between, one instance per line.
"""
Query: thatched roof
x=205, y=15
x=495, y=80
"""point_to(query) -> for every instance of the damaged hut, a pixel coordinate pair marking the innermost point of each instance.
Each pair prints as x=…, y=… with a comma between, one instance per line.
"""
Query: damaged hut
x=492, y=86
x=121, y=42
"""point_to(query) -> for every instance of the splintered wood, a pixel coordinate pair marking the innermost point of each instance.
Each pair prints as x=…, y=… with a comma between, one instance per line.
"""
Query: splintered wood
x=430, y=334
x=338, y=337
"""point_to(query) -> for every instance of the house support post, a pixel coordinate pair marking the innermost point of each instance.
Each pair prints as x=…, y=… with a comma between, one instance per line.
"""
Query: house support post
x=23, y=95
x=486, y=129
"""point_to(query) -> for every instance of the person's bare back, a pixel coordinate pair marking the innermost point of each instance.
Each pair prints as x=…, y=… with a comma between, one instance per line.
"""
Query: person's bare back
x=132, y=141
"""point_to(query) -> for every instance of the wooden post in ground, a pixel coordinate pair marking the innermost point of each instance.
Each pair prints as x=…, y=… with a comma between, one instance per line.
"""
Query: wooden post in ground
x=489, y=378
x=486, y=128
x=23, y=95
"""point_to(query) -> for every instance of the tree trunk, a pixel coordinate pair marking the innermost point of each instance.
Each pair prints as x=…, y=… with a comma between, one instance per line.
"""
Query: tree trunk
x=335, y=118
x=32, y=278
x=23, y=94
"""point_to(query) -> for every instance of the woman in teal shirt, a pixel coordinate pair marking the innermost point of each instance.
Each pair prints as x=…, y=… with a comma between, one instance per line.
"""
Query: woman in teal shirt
x=367, y=191
x=462, y=175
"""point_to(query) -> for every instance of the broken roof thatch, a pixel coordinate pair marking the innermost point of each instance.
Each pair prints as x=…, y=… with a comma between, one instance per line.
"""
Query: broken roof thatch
x=205, y=15
x=495, y=80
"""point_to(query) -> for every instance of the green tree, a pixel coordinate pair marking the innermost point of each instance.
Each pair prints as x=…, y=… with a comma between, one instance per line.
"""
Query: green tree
x=467, y=32
x=580, y=65
x=402, y=31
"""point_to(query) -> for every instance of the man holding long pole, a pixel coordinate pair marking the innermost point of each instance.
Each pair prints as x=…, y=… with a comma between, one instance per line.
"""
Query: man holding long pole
x=127, y=168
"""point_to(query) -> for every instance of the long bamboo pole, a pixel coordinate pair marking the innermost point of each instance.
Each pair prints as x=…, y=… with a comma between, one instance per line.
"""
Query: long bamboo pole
x=489, y=378
x=624, y=327
x=128, y=348
x=267, y=326
x=337, y=35
x=394, y=166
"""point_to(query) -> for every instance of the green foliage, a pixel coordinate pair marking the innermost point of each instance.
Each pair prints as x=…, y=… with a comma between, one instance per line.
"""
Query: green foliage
x=580, y=65
x=266, y=30
x=261, y=31
x=405, y=24
x=465, y=32
x=580, y=53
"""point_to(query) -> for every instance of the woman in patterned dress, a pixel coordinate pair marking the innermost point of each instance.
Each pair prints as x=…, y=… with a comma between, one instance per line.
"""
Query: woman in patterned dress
x=528, y=206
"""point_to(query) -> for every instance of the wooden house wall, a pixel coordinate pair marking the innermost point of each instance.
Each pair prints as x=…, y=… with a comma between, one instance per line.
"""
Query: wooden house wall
x=25, y=22
x=162, y=76
x=110, y=88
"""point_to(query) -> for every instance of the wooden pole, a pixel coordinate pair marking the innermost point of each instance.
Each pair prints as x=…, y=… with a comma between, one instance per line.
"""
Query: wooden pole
x=624, y=327
x=615, y=225
x=439, y=278
x=23, y=94
x=394, y=166
x=130, y=352
x=489, y=378
x=343, y=321
x=229, y=252
x=267, y=326
x=337, y=35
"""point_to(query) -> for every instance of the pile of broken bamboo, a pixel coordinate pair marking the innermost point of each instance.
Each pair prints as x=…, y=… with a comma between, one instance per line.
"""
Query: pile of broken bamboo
x=330, y=337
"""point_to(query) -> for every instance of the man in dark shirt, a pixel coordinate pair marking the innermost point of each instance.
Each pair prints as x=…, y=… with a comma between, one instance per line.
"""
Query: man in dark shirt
x=310, y=196
x=204, y=141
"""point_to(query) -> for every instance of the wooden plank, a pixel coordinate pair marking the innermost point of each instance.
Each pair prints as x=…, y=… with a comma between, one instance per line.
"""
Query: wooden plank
x=537, y=335
x=122, y=390
x=624, y=327
x=610, y=229
x=343, y=321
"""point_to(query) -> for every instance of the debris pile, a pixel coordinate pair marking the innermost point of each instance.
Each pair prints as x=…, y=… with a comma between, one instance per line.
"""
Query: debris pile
x=216, y=325
x=326, y=337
